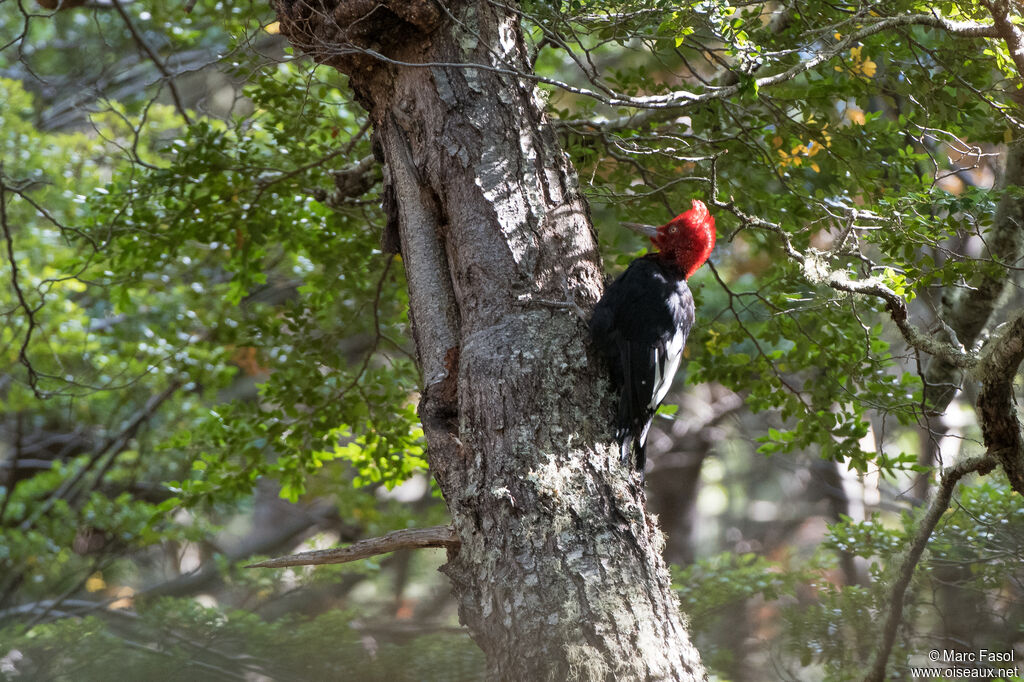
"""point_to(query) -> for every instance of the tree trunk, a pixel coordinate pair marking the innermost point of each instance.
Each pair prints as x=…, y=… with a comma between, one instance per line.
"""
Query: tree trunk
x=560, y=574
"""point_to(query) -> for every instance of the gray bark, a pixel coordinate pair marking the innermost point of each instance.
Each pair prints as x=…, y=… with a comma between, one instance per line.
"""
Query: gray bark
x=559, y=572
x=966, y=312
x=997, y=405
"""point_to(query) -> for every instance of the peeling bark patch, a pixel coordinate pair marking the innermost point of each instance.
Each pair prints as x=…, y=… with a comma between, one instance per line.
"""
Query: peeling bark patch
x=510, y=206
x=449, y=386
x=444, y=86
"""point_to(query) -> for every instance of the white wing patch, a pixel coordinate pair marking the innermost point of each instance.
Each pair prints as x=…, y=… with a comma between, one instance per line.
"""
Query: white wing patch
x=665, y=367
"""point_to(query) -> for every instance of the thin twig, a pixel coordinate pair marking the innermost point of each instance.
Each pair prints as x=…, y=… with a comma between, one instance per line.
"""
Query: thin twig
x=677, y=99
x=33, y=376
x=155, y=58
x=407, y=538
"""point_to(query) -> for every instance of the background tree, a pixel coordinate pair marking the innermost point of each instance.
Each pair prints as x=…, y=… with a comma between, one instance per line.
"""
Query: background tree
x=200, y=323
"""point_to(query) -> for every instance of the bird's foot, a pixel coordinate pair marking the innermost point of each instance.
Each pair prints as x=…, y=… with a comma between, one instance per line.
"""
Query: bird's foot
x=567, y=304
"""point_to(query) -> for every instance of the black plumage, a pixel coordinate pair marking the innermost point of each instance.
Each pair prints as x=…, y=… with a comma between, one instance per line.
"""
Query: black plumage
x=640, y=326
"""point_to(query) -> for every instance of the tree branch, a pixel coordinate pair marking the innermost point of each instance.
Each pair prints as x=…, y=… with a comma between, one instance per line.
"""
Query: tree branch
x=936, y=508
x=33, y=376
x=997, y=408
x=344, y=47
x=407, y=538
x=966, y=312
x=872, y=286
x=685, y=98
x=286, y=532
x=1008, y=31
x=816, y=271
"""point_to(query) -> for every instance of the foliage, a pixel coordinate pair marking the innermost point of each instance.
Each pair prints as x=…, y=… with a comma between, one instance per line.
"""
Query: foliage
x=193, y=318
x=201, y=320
x=832, y=627
x=179, y=640
x=831, y=150
x=847, y=157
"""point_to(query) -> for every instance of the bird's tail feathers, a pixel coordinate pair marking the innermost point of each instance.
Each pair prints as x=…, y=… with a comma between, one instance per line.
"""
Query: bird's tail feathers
x=640, y=446
x=625, y=441
x=633, y=441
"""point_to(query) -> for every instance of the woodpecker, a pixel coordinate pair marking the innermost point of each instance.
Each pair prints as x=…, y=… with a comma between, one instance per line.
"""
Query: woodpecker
x=641, y=323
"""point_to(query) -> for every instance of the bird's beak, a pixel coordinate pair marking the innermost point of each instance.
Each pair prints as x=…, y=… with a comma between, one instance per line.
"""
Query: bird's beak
x=647, y=230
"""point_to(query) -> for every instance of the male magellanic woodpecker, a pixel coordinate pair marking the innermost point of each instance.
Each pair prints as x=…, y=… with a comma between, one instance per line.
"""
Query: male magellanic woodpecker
x=641, y=323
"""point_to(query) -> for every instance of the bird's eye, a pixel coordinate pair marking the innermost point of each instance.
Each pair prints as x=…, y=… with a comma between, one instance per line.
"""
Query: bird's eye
x=672, y=230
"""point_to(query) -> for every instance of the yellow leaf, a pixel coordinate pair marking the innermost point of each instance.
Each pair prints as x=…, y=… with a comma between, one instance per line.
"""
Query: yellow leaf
x=856, y=115
x=273, y=28
x=855, y=52
x=776, y=141
x=868, y=68
x=815, y=167
x=838, y=36
x=95, y=582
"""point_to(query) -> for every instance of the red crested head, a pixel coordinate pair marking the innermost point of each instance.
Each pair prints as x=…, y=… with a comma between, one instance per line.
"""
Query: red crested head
x=688, y=238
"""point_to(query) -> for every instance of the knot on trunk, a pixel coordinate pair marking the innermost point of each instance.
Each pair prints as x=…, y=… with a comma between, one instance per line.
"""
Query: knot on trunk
x=351, y=35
